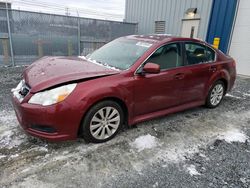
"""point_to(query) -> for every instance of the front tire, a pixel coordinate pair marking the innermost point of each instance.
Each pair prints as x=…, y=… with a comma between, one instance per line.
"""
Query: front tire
x=102, y=122
x=215, y=94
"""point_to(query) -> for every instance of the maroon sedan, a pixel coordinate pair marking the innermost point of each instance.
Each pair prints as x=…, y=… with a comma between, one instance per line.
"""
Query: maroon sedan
x=127, y=81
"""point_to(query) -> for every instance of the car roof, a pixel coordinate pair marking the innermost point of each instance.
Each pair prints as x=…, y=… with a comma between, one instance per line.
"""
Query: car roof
x=159, y=38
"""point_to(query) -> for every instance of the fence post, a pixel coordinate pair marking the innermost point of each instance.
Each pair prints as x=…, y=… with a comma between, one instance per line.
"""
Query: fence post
x=9, y=33
x=79, y=34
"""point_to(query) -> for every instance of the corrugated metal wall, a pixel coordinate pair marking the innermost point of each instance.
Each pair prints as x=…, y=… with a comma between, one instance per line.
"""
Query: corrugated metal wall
x=146, y=12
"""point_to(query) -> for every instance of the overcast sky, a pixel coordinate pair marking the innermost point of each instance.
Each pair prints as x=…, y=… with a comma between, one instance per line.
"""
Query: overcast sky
x=103, y=9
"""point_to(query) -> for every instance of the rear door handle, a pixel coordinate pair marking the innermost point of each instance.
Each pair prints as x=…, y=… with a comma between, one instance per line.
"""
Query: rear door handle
x=179, y=76
x=213, y=69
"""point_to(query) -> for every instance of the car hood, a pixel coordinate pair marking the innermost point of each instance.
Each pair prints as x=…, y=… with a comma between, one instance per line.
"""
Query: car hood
x=51, y=71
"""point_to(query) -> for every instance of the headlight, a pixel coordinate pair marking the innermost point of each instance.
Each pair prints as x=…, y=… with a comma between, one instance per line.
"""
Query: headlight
x=52, y=96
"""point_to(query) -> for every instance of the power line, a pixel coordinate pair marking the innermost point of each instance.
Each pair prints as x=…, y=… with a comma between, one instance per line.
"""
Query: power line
x=61, y=8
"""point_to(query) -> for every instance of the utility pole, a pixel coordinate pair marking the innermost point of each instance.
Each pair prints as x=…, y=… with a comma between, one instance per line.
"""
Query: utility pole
x=79, y=32
x=67, y=11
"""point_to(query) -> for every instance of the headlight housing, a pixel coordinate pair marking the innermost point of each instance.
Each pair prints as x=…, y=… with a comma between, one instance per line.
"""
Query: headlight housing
x=52, y=96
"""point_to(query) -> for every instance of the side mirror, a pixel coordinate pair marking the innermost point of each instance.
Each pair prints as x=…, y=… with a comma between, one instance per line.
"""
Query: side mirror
x=151, y=68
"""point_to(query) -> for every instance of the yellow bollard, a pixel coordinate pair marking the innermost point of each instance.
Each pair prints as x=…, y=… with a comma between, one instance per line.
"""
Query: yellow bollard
x=216, y=43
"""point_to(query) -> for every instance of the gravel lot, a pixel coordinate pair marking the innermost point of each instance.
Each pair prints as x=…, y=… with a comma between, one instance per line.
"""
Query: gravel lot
x=195, y=148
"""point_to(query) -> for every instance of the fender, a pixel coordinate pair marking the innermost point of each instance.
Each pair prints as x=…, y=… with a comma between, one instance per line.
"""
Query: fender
x=94, y=91
x=220, y=74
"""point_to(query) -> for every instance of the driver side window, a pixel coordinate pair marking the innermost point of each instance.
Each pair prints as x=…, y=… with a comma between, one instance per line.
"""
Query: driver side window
x=168, y=56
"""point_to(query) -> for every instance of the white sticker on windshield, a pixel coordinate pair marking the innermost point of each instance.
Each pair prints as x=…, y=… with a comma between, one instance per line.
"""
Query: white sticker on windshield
x=144, y=44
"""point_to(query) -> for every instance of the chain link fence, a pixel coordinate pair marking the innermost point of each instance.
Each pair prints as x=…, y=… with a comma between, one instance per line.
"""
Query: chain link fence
x=32, y=35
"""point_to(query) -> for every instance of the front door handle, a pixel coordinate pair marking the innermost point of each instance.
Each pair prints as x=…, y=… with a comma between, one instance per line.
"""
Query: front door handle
x=179, y=76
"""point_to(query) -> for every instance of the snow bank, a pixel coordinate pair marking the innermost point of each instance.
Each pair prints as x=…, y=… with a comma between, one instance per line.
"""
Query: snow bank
x=144, y=142
x=233, y=135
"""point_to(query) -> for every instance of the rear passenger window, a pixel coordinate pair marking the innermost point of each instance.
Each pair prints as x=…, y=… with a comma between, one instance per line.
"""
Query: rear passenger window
x=197, y=53
x=210, y=55
x=168, y=56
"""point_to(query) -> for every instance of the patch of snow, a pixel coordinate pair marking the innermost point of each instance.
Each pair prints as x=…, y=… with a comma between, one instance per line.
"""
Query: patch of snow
x=204, y=156
x=25, y=170
x=156, y=184
x=233, y=96
x=14, y=156
x=144, y=142
x=42, y=149
x=243, y=180
x=7, y=119
x=10, y=135
x=138, y=167
x=233, y=135
x=9, y=139
x=2, y=156
x=246, y=94
x=192, y=170
x=174, y=154
x=103, y=64
x=59, y=158
x=82, y=57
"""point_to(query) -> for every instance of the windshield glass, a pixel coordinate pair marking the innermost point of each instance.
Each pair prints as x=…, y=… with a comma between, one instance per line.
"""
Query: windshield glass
x=120, y=53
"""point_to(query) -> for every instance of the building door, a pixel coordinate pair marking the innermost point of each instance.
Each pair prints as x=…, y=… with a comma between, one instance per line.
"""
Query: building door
x=190, y=28
x=240, y=45
x=221, y=22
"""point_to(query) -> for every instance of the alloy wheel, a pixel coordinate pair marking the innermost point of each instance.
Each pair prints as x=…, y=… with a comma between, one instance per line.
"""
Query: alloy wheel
x=105, y=123
x=217, y=94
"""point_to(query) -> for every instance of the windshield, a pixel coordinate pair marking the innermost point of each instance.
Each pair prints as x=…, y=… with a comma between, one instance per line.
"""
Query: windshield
x=120, y=53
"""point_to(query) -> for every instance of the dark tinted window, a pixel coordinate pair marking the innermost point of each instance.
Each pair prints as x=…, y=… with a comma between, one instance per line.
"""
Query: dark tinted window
x=210, y=54
x=197, y=53
x=168, y=56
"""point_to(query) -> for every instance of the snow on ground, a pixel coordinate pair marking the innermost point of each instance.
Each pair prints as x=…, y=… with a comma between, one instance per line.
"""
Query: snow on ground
x=192, y=170
x=246, y=94
x=161, y=143
x=233, y=135
x=233, y=96
x=9, y=131
x=145, y=142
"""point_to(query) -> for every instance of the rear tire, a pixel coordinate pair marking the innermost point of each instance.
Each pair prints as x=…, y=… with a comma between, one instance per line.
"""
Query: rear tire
x=215, y=94
x=102, y=122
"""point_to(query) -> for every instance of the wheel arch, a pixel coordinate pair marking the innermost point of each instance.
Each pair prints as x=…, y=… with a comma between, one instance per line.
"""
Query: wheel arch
x=115, y=99
x=223, y=75
x=225, y=83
